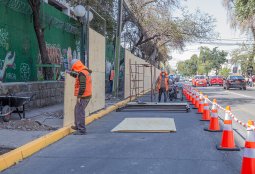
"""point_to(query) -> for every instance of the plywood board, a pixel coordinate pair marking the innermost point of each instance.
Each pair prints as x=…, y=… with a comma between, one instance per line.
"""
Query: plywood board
x=129, y=57
x=97, y=65
x=146, y=125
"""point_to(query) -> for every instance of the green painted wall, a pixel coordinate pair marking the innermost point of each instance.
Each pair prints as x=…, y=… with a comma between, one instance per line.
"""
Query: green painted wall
x=19, y=52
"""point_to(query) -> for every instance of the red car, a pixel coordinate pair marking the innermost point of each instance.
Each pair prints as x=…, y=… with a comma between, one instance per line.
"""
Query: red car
x=199, y=80
x=216, y=80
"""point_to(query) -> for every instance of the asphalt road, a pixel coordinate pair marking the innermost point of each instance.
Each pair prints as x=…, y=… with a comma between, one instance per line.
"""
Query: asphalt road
x=242, y=103
x=190, y=150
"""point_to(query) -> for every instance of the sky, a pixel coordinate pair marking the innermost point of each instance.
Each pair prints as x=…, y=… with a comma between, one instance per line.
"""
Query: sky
x=215, y=9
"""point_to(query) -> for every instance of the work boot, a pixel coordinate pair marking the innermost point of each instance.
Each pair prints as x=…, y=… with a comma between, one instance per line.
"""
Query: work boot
x=79, y=133
x=74, y=128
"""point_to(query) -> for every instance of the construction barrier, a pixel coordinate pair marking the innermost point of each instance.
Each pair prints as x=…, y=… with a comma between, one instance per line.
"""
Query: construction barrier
x=227, y=142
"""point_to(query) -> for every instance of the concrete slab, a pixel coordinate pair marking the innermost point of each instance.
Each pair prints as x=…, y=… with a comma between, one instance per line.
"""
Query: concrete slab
x=146, y=125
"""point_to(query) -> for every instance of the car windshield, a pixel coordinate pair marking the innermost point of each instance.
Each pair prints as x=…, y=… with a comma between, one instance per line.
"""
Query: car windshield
x=236, y=78
x=199, y=77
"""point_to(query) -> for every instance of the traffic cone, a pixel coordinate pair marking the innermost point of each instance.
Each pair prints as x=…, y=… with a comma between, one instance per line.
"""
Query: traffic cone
x=206, y=110
x=248, y=163
x=227, y=141
x=197, y=100
x=201, y=104
x=214, y=125
x=194, y=97
x=190, y=96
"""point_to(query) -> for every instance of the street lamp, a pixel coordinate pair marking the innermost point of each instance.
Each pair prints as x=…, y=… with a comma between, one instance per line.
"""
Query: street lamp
x=82, y=14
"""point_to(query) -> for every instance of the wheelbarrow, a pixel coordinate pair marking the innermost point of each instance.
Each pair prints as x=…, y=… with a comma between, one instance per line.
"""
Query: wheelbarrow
x=12, y=104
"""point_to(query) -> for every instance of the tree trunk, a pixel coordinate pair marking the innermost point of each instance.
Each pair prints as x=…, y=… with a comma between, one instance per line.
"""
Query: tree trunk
x=251, y=59
x=35, y=6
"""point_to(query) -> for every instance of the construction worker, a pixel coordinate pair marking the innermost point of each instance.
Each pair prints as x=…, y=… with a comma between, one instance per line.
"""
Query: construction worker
x=111, y=78
x=162, y=85
x=83, y=91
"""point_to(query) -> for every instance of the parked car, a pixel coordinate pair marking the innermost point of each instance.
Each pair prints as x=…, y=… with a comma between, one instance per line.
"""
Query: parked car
x=234, y=82
x=199, y=80
x=216, y=80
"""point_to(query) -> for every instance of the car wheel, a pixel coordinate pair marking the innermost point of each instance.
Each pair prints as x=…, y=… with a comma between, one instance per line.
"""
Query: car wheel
x=244, y=88
x=227, y=88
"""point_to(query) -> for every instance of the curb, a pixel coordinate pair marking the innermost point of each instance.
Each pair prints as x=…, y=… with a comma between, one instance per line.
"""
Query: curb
x=15, y=156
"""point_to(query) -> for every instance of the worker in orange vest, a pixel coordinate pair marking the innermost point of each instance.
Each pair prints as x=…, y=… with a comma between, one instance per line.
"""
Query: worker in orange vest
x=83, y=92
x=162, y=85
x=111, y=78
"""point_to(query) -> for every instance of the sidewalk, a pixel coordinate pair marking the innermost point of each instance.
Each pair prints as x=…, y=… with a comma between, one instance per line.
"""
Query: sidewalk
x=188, y=151
x=13, y=138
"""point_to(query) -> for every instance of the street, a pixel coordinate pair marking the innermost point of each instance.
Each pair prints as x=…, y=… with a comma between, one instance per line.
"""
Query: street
x=190, y=150
x=241, y=103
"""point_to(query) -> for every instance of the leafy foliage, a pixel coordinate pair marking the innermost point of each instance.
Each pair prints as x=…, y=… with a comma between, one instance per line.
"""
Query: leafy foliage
x=207, y=61
x=106, y=9
x=225, y=72
x=241, y=56
x=241, y=14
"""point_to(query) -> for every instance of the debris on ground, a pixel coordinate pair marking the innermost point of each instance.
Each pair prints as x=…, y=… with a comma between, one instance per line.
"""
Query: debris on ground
x=25, y=125
x=4, y=150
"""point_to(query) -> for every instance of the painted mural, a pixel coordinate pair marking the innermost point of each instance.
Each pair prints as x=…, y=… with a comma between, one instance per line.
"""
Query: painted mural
x=59, y=56
x=19, y=52
x=3, y=37
x=7, y=62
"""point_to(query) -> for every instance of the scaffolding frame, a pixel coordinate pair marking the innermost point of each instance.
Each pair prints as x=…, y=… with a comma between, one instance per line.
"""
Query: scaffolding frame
x=136, y=78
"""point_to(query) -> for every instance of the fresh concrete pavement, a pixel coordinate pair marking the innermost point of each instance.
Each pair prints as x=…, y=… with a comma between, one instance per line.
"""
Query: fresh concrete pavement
x=188, y=151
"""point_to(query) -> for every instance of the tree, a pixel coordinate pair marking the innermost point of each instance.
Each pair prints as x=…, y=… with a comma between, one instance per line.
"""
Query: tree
x=188, y=67
x=106, y=9
x=156, y=28
x=241, y=14
x=39, y=31
x=241, y=56
x=224, y=72
x=211, y=60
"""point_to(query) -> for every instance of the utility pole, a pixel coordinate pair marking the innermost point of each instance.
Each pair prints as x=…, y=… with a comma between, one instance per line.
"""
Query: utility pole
x=117, y=50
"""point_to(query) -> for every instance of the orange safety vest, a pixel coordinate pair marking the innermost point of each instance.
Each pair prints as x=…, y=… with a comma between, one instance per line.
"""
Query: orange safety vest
x=88, y=90
x=112, y=75
x=160, y=79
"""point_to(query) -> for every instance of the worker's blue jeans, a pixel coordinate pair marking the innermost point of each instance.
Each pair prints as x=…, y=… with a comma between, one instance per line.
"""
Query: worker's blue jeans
x=162, y=90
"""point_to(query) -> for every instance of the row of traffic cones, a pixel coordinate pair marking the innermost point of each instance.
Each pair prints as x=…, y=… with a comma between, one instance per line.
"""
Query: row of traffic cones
x=227, y=141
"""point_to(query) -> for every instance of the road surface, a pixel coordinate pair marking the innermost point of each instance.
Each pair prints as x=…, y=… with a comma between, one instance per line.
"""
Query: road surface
x=190, y=150
x=242, y=103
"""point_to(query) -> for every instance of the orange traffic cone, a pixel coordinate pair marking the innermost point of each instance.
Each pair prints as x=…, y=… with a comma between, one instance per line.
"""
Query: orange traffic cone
x=190, y=96
x=227, y=142
x=194, y=97
x=197, y=100
x=214, y=125
x=201, y=104
x=248, y=164
x=206, y=111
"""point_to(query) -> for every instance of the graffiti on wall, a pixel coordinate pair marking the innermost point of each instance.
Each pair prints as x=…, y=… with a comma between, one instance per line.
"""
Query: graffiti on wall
x=8, y=62
x=25, y=71
x=59, y=56
x=54, y=53
x=3, y=37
